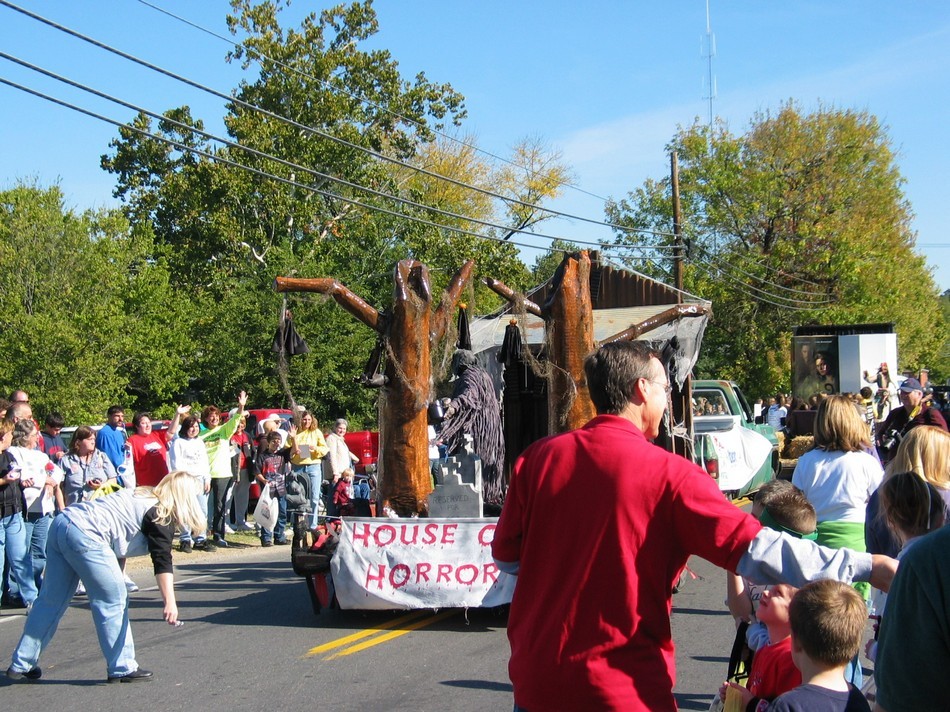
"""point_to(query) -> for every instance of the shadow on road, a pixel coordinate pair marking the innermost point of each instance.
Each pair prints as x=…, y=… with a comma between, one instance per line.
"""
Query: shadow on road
x=479, y=685
x=693, y=701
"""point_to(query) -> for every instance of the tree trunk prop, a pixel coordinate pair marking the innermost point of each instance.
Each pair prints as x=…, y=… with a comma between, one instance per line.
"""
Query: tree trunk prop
x=569, y=333
x=409, y=332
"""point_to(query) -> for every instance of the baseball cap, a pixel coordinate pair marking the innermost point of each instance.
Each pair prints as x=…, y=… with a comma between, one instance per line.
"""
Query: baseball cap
x=911, y=384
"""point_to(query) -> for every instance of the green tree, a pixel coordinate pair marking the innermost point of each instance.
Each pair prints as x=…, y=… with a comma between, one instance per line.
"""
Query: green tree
x=546, y=264
x=85, y=309
x=940, y=368
x=226, y=233
x=800, y=220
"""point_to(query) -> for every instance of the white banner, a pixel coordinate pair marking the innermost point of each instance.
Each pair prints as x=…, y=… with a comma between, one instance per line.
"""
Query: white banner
x=386, y=564
x=741, y=453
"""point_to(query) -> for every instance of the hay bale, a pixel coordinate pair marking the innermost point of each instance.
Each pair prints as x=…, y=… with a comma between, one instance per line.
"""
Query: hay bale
x=798, y=446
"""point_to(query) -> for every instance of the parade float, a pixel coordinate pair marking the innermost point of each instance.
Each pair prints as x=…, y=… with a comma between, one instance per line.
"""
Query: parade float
x=430, y=545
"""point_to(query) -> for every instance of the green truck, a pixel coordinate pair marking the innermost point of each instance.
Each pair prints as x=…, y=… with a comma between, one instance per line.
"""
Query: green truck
x=738, y=452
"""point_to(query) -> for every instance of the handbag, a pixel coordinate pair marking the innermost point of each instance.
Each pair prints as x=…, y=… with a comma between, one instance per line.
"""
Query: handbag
x=265, y=513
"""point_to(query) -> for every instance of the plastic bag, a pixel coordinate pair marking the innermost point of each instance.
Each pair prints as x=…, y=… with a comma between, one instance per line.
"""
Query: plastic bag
x=103, y=490
x=265, y=513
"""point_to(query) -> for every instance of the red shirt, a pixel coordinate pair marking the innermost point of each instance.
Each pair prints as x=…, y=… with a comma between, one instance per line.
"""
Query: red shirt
x=150, y=458
x=773, y=671
x=602, y=523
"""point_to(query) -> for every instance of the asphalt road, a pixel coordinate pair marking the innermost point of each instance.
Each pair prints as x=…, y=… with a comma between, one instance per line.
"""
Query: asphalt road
x=251, y=642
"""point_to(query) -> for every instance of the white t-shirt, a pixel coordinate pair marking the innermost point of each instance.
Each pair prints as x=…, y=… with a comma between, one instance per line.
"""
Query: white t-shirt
x=838, y=484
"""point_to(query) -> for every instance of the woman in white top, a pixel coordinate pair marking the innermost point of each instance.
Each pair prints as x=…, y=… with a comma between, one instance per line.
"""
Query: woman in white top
x=83, y=544
x=40, y=479
x=839, y=475
x=338, y=457
x=189, y=453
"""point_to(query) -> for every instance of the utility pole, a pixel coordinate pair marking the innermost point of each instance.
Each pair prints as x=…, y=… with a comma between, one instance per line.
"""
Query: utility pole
x=677, y=228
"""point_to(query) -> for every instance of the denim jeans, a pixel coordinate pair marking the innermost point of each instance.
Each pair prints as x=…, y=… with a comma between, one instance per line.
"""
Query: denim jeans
x=72, y=555
x=203, y=499
x=278, y=533
x=37, y=531
x=15, y=550
x=314, y=474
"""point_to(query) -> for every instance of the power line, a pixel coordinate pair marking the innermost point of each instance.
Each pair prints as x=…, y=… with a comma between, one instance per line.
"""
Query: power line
x=715, y=272
x=264, y=174
x=288, y=164
x=362, y=100
x=718, y=261
x=316, y=131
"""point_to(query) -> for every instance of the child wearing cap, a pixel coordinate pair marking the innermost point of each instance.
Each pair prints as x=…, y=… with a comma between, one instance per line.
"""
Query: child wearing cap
x=781, y=506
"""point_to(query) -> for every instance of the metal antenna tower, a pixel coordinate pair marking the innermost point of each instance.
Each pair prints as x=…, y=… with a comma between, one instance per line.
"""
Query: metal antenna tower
x=709, y=51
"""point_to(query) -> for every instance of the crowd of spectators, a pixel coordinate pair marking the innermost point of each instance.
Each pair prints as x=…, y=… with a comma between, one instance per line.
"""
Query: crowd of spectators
x=41, y=474
x=853, y=489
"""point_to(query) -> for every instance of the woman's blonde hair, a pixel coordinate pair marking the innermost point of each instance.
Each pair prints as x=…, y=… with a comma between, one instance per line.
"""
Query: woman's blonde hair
x=840, y=427
x=177, y=501
x=925, y=450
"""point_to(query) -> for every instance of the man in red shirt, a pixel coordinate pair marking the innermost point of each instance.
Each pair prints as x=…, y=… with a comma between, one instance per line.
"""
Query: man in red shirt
x=589, y=625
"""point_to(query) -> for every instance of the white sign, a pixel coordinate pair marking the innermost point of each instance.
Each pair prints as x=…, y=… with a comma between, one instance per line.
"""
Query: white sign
x=385, y=564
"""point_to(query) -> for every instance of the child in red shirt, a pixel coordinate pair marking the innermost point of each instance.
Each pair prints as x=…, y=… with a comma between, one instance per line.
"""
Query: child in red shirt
x=773, y=670
x=343, y=494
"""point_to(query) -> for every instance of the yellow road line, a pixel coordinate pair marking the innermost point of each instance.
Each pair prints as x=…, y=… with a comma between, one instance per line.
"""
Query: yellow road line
x=340, y=642
x=391, y=635
x=742, y=502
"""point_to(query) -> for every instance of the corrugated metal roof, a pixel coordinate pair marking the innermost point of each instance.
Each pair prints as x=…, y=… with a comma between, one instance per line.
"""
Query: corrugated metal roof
x=490, y=330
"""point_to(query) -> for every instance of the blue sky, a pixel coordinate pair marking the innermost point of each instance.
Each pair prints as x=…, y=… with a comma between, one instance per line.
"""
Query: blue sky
x=606, y=83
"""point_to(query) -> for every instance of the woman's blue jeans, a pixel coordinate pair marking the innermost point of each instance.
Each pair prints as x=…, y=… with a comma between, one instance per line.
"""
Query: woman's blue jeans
x=37, y=531
x=15, y=548
x=71, y=555
x=314, y=474
x=203, y=499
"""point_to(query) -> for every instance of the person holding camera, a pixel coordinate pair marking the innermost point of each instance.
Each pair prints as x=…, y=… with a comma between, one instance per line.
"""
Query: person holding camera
x=913, y=412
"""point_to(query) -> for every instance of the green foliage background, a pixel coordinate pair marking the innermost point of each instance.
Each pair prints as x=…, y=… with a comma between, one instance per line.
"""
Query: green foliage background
x=171, y=298
x=800, y=220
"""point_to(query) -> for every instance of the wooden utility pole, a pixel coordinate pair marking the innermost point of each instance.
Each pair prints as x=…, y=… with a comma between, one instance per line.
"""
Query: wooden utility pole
x=677, y=228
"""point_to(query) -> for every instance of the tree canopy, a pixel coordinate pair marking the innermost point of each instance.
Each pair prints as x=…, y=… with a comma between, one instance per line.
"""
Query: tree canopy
x=341, y=179
x=800, y=220
x=85, y=309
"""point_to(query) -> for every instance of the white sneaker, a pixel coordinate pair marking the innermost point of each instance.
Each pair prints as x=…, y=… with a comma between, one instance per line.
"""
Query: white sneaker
x=245, y=527
x=130, y=585
x=80, y=589
x=228, y=529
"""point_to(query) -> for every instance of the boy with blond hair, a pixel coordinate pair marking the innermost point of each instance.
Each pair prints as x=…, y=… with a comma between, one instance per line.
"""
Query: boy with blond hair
x=827, y=620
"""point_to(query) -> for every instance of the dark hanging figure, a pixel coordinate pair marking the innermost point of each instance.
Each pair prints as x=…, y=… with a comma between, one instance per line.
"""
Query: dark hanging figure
x=474, y=409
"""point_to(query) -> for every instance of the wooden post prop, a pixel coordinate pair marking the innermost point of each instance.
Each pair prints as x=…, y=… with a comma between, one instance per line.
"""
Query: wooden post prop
x=569, y=327
x=409, y=332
